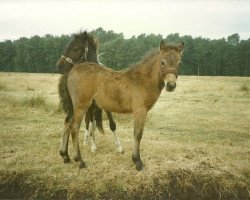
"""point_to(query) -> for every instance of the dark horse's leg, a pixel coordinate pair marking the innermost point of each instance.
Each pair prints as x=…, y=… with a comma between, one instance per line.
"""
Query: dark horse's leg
x=139, y=121
x=88, y=120
x=90, y=127
x=65, y=140
x=112, y=126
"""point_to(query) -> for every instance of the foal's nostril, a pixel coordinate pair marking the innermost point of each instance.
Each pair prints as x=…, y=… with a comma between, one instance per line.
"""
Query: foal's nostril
x=171, y=86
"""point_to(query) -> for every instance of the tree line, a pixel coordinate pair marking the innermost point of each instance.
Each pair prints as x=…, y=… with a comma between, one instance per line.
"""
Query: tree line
x=202, y=56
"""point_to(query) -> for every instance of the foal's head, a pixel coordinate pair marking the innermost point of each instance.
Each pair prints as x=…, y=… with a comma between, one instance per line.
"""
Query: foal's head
x=76, y=51
x=170, y=60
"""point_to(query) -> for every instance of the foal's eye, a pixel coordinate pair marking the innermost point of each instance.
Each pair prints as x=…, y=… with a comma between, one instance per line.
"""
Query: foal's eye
x=162, y=62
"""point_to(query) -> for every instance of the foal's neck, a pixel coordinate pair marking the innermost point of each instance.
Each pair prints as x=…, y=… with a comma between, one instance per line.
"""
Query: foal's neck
x=151, y=69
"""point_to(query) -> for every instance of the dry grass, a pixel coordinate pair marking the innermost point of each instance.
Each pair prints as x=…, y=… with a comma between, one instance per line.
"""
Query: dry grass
x=2, y=86
x=195, y=144
x=244, y=88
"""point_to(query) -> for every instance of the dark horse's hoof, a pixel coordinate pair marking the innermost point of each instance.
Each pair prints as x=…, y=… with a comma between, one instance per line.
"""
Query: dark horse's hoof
x=138, y=163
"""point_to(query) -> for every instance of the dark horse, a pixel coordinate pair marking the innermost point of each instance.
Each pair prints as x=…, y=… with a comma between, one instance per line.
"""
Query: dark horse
x=83, y=48
x=133, y=91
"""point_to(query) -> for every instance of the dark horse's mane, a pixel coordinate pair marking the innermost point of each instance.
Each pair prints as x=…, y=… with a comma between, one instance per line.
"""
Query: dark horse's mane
x=83, y=34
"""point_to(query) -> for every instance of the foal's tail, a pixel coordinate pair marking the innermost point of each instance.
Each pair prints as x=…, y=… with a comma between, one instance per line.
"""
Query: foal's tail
x=65, y=99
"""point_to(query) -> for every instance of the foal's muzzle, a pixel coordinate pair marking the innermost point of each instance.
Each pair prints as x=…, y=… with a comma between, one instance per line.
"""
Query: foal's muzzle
x=170, y=86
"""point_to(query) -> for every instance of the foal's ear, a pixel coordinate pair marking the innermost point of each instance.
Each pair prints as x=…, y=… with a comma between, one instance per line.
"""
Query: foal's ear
x=163, y=46
x=181, y=46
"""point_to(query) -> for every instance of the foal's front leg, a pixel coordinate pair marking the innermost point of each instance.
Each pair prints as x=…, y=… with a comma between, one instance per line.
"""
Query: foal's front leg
x=139, y=121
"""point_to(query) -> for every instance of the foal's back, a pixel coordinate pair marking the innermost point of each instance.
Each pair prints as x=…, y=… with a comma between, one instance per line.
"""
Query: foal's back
x=110, y=89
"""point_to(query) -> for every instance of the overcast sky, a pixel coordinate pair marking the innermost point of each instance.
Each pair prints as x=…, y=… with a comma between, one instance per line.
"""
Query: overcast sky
x=207, y=18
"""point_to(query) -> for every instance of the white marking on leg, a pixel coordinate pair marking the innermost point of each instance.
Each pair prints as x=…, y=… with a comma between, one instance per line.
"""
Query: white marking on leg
x=92, y=127
x=86, y=137
x=118, y=143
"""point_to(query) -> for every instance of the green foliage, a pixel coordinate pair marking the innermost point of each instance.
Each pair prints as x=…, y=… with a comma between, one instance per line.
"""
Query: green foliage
x=201, y=56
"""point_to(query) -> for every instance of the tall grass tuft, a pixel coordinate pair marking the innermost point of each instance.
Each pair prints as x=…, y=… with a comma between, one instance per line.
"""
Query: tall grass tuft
x=37, y=100
x=244, y=88
x=2, y=86
x=30, y=88
x=58, y=109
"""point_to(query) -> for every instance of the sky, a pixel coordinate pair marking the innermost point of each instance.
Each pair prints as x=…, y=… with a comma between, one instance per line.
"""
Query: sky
x=212, y=19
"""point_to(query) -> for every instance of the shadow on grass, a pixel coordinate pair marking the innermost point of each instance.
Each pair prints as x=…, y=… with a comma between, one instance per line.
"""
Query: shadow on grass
x=178, y=184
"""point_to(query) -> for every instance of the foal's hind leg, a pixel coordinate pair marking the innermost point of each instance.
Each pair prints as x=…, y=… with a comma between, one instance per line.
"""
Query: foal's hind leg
x=112, y=127
x=65, y=140
x=74, y=127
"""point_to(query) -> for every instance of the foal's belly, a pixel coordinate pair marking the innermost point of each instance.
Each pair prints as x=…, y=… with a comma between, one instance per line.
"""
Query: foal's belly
x=115, y=108
x=114, y=101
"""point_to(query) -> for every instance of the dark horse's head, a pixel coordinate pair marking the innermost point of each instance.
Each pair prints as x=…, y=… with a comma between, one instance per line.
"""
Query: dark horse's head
x=81, y=48
x=170, y=63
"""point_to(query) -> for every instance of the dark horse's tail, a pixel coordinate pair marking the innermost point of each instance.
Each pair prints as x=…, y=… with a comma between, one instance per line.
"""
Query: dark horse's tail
x=67, y=104
x=65, y=99
x=98, y=118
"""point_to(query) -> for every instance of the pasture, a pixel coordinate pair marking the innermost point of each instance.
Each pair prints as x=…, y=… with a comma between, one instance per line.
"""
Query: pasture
x=196, y=144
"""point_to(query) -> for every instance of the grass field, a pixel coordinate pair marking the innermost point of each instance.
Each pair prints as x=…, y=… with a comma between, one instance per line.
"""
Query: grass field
x=196, y=144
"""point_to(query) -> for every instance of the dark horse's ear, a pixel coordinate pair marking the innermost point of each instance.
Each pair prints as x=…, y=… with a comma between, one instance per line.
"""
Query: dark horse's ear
x=84, y=35
x=163, y=46
x=181, y=46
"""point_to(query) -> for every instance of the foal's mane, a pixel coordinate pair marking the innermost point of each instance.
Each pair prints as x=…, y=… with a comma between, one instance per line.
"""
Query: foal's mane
x=145, y=60
x=173, y=46
x=145, y=68
x=149, y=55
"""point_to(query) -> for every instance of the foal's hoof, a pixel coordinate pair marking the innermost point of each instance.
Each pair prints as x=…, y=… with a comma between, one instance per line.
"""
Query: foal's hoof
x=139, y=167
x=138, y=164
x=66, y=159
x=65, y=156
x=82, y=165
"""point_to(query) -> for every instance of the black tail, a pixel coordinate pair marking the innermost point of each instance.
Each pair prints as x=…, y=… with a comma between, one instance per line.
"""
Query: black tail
x=98, y=118
x=65, y=99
